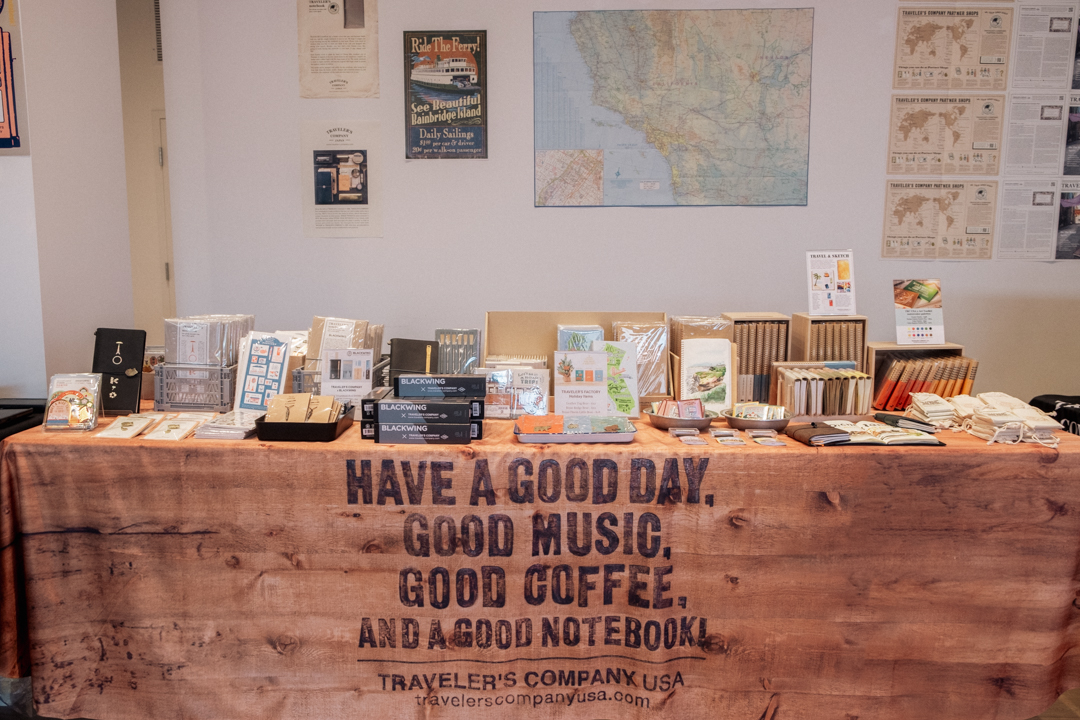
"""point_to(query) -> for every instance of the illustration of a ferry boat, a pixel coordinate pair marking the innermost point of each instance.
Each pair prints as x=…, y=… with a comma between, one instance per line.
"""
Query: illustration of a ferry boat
x=447, y=71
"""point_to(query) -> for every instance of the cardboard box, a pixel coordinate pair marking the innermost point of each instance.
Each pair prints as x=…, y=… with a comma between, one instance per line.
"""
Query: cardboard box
x=536, y=333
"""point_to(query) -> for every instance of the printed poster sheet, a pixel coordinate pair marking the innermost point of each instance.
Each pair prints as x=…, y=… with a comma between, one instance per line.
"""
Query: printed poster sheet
x=946, y=135
x=1071, y=164
x=940, y=220
x=338, y=48
x=1035, y=134
x=340, y=179
x=446, y=94
x=1044, y=46
x=1029, y=219
x=952, y=48
x=1068, y=216
x=14, y=139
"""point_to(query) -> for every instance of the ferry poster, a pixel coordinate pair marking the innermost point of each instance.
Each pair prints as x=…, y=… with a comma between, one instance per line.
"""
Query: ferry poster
x=446, y=94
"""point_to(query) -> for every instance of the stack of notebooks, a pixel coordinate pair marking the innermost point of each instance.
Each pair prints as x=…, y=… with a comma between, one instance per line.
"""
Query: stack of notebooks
x=760, y=344
x=823, y=391
x=944, y=376
x=426, y=410
x=836, y=340
x=995, y=425
x=998, y=416
x=932, y=409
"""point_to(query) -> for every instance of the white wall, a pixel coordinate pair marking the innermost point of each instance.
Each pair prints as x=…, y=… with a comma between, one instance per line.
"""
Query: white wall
x=22, y=339
x=143, y=94
x=234, y=118
x=80, y=204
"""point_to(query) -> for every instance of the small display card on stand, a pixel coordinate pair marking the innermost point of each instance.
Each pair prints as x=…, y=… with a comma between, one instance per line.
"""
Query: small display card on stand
x=830, y=276
x=919, y=320
x=581, y=383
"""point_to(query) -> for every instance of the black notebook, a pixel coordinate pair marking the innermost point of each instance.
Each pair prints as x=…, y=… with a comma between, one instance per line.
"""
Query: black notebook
x=118, y=356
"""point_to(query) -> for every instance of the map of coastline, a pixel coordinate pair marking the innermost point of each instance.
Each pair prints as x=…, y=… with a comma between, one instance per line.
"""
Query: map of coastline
x=685, y=107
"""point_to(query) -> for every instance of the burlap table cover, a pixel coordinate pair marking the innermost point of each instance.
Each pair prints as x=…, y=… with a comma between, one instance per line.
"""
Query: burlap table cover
x=217, y=579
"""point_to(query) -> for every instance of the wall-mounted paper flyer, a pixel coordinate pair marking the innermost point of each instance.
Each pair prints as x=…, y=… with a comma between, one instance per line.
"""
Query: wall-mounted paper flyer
x=952, y=48
x=1035, y=135
x=940, y=220
x=1030, y=217
x=338, y=48
x=830, y=276
x=446, y=94
x=14, y=138
x=937, y=134
x=1044, y=40
x=346, y=374
x=1068, y=232
x=341, y=179
x=918, y=312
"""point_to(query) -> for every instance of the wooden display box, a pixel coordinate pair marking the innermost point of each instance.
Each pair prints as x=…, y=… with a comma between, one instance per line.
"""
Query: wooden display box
x=802, y=325
x=735, y=318
x=741, y=318
x=877, y=353
x=774, y=394
x=536, y=333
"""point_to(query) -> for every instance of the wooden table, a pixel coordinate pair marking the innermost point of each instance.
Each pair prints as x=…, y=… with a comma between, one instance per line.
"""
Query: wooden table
x=216, y=579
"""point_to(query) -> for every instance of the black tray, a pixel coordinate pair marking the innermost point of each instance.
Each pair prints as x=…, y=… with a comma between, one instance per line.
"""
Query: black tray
x=302, y=432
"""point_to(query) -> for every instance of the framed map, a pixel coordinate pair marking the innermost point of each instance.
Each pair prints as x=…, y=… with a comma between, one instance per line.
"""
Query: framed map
x=672, y=107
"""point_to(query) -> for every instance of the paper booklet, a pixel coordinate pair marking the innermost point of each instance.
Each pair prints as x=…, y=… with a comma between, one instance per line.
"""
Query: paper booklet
x=262, y=369
x=706, y=372
x=125, y=428
x=622, y=374
x=173, y=429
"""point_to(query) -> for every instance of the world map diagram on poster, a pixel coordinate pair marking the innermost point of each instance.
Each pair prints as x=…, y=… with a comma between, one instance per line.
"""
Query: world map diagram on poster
x=672, y=107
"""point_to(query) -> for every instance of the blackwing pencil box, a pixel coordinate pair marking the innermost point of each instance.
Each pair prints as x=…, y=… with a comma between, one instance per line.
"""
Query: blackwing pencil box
x=436, y=387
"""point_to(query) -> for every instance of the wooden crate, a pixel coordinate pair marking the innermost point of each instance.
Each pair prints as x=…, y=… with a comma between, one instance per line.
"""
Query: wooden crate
x=746, y=361
x=877, y=353
x=802, y=328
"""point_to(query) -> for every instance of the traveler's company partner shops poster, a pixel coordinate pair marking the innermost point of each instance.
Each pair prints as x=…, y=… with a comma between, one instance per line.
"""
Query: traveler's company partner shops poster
x=446, y=94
